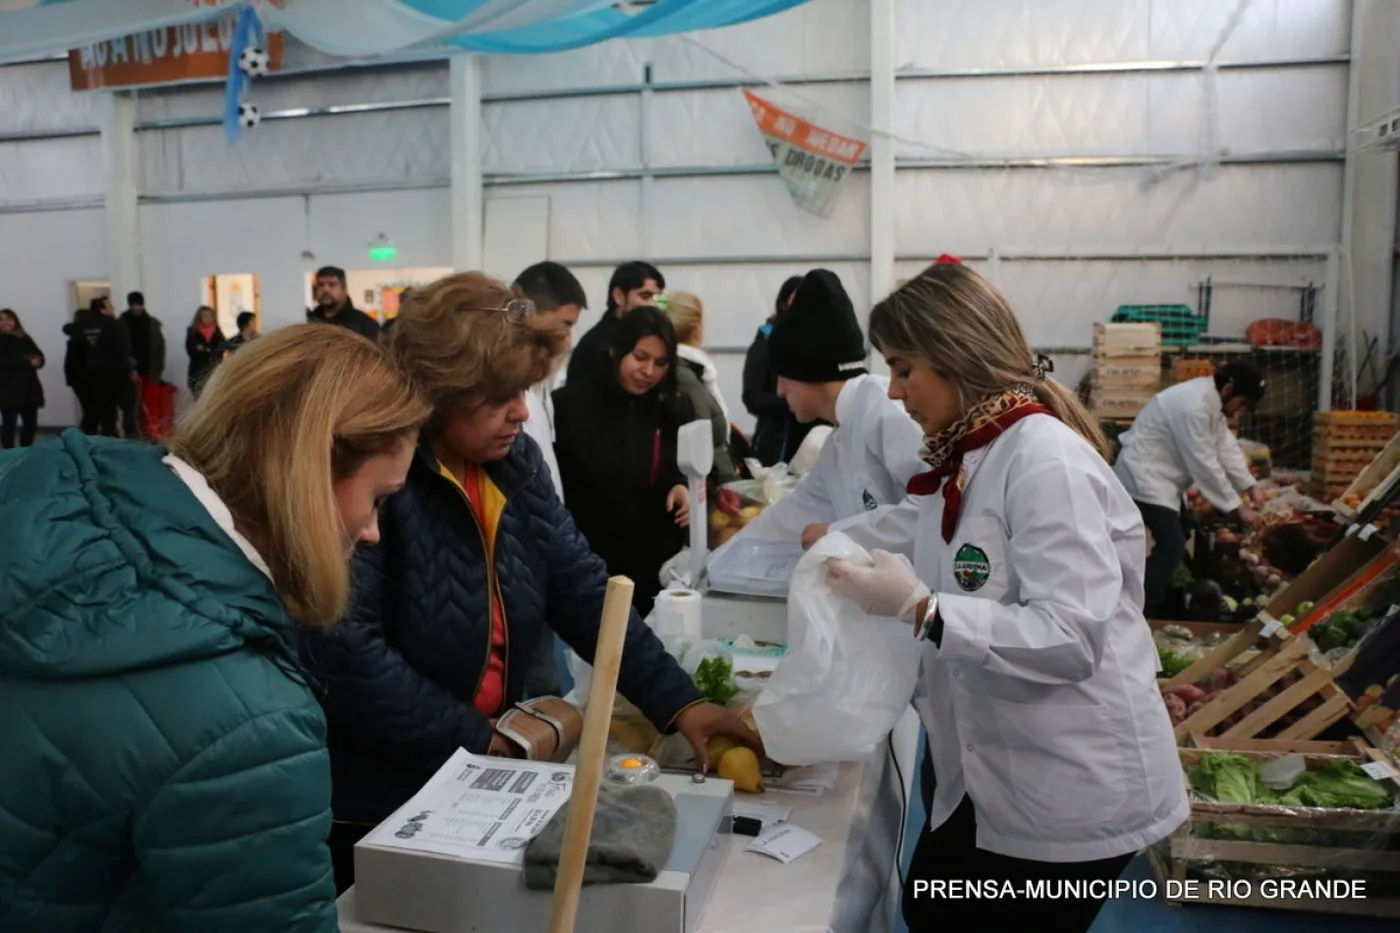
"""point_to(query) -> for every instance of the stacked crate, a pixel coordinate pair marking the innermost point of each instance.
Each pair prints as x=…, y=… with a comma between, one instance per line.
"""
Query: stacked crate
x=1184, y=370
x=1127, y=369
x=1344, y=444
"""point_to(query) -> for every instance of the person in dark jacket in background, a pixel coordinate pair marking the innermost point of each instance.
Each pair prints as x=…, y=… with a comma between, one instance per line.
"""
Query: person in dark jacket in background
x=21, y=393
x=147, y=338
x=333, y=305
x=97, y=365
x=477, y=560
x=167, y=765
x=616, y=446
x=206, y=345
x=247, y=330
x=633, y=285
x=778, y=434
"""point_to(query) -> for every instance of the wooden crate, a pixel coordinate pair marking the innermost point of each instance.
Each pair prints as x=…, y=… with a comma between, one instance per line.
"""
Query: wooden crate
x=1354, y=429
x=1127, y=339
x=1371, y=478
x=1283, y=662
x=1255, y=862
x=1184, y=370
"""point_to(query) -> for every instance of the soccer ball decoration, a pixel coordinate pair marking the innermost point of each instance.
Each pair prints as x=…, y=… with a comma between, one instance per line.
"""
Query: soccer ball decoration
x=249, y=116
x=255, y=63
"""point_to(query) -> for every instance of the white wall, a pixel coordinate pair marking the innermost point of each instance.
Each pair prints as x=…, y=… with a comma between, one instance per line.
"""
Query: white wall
x=329, y=184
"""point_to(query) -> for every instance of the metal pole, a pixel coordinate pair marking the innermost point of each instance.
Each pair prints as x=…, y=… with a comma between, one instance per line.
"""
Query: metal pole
x=121, y=224
x=1328, y=325
x=882, y=157
x=464, y=79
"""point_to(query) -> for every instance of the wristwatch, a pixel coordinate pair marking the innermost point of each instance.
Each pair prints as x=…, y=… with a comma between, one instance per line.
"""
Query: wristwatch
x=931, y=625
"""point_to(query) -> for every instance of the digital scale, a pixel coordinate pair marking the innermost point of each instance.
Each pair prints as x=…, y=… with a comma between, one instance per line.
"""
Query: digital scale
x=432, y=893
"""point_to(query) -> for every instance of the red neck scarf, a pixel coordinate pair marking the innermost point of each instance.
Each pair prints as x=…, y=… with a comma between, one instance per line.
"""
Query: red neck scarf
x=945, y=450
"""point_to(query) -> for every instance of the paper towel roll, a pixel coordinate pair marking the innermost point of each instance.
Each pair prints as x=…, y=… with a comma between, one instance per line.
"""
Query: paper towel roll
x=678, y=613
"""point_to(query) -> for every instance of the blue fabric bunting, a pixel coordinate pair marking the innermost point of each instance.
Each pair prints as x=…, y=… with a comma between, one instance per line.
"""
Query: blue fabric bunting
x=247, y=33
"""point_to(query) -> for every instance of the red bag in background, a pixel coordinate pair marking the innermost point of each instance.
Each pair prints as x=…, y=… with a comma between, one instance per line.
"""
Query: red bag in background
x=1277, y=332
x=157, y=410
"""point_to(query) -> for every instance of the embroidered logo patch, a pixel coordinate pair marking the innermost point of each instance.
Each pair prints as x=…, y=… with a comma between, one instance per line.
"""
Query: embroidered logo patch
x=971, y=567
x=868, y=500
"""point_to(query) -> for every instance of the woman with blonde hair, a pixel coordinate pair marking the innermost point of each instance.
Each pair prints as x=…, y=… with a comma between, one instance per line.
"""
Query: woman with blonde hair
x=1052, y=753
x=697, y=377
x=166, y=753
x=478, y=561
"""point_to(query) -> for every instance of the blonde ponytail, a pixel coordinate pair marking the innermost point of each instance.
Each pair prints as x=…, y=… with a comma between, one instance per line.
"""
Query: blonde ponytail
x=1057, y=397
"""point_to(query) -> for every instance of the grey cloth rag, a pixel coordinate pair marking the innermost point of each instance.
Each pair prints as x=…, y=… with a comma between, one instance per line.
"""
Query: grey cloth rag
x=634, y=829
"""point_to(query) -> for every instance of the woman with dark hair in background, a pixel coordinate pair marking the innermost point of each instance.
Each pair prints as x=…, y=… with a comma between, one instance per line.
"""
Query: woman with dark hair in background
x=778, y=434
x=206, y=345
x=21, y=394
x=616, y=443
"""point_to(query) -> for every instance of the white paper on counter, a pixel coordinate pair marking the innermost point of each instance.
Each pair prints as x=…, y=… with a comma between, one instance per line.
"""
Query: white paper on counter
x=768, y=814
x=813, y=780
x=480, y=808
x=785, y=843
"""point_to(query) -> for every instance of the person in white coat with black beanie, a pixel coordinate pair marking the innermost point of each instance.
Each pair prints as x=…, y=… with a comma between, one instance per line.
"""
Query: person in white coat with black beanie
x=1052, y=752
x=819, y=354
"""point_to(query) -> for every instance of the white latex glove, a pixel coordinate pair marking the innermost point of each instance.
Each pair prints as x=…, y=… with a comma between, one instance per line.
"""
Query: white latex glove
x=889, y=587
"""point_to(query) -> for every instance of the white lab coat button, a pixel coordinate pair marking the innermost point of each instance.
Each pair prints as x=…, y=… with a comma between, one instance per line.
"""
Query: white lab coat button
x=969, y=746
x=957, y=672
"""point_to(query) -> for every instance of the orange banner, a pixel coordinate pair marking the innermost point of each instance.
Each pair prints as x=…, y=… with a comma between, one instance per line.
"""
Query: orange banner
x=194, y=52
x=811, y=161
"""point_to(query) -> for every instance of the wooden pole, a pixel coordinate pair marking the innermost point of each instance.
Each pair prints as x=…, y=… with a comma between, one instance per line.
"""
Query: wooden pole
x=592, y=755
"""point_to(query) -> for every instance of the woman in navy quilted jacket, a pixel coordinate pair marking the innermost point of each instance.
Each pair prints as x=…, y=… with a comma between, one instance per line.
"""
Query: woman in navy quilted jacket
x=163, y=759
x=478, y=559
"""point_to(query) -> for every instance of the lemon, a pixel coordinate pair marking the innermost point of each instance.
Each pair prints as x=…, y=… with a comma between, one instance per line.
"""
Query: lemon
x=740, y=765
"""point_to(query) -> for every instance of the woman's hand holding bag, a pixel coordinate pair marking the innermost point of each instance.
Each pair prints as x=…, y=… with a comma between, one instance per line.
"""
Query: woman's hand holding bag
x=888, y=587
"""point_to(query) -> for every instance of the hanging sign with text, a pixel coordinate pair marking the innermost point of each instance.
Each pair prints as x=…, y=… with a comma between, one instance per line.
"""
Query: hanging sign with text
x=171, y=55
x=812, y=161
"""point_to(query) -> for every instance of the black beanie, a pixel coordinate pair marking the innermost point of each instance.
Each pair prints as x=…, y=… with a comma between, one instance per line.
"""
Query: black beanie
x=817, y=338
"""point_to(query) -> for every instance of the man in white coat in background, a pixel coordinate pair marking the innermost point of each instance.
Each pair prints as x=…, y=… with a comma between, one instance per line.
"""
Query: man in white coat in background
x=1182, y=439
x=818, y=352
x=558, y=295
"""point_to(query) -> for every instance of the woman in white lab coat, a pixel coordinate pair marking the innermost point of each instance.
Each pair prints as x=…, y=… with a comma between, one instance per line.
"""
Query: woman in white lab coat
x=1052, y=751
x=818, y=351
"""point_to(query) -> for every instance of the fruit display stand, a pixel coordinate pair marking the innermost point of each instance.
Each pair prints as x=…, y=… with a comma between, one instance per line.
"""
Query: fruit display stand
x=1266, y=682
x=1242, y=854
x=1279, y=691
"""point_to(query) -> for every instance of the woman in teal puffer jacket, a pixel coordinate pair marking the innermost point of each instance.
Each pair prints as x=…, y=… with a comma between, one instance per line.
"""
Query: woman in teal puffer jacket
x=165, y=763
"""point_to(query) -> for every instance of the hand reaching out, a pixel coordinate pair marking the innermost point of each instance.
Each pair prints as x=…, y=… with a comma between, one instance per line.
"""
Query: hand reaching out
x=678, y=503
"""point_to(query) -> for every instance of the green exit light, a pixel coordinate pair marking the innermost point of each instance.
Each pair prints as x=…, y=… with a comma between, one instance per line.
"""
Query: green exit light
x=382, y=253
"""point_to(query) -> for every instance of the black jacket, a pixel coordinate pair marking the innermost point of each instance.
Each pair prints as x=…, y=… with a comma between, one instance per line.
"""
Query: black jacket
x=205, y=355
x=147, y=339
x=617, y=460
x=777, y=434
x=590, y=353
x=19, y=378
x=399, y=675
x=98, y=357
x=351, y=318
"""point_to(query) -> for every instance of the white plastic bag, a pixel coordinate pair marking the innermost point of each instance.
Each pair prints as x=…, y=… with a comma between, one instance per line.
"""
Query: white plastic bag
x=847, y=677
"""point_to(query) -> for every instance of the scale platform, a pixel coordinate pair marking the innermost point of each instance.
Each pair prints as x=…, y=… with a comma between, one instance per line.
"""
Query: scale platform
x=433, y=893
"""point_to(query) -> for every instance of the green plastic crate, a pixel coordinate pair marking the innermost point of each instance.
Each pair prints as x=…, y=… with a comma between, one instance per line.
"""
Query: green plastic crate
x=1181, y=327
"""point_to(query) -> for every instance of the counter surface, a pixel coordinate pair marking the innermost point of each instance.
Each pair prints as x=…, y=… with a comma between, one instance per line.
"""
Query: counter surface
x=755, y=892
